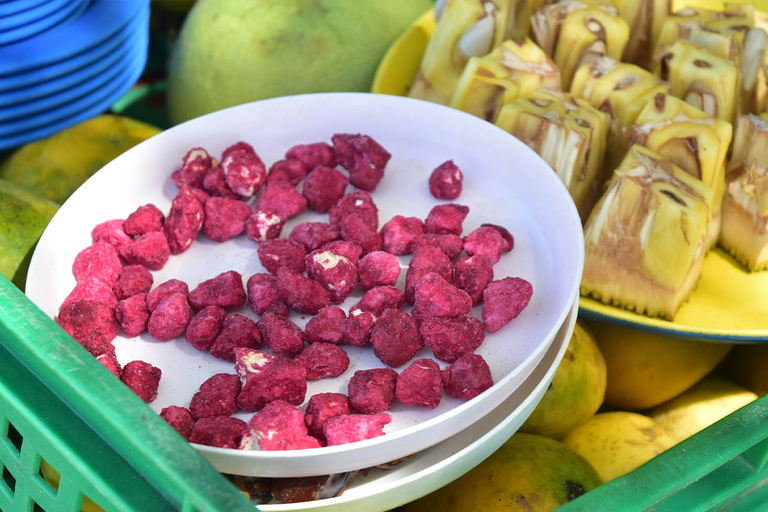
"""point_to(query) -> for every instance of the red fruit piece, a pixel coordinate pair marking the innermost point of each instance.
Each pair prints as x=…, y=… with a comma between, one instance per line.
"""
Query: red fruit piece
x=221, y=431
x=323, y=407
x=446, y=180
x=446, y=219
x=280, y=334
x=180, y=419
x=109, y=361
x=354, y=427
x=194, y=165
x=335, y=273
x=355, y=229
x=378, y=268
x=201, y=195
x=164, y=290
x=113, y=233
x=132, y=314
x=263, y=225
x=97, y=345
x=184, y=221
x=358, y=202
x=282, y=197
x=313, y=155
x=281, y=252
x=280, y=440
x=244, y=171
x=217, y=396
x=379, y=299
x=132, y=279
x=450, y=245
x=504, y=300
x=322, y=360
x=395, y=338
x=509, y=240
x=424, y=261
x=92, y=290
x=205, y=327
x=451, y=338
x=150, y=250
x=215, y=183
x=399, y=233
x=302, y=294
x=142, y=378
x=467, y=377
x=349, y=250
x=237, y=331
x=485, y=241
x=225, y=218
x=279, y=415
x=238, y=147
x=357, y=328
x=435, y=297
x=248, y=360
x=313, y=235
x=323, y=187
x=100, y=261
x=145, y=219
x=170, y=318
x=264, y=296
x=278, y=379
x=372, y=391
x=225, y=290
x=86, y=317
x=472, y=274
x=363, y=157
x=420, y=384
x=326, y=326
x=290, y=170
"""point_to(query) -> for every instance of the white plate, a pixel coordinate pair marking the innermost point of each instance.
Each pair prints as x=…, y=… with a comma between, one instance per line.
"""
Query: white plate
x=505, y=183
x=445, y=462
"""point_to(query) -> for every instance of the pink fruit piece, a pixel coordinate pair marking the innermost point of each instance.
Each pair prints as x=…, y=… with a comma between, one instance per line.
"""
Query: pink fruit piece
x=436, y=297
x=238, y=147
x=349, y=250
x=109, y=361
x=150, y=250
x=201, y=195
x=509, y=240
x=111, y=232
x=132, y=314
x=372, y=391
x=395, y=338
x=399, y=233
x=249, y=360
x=485, y=241
x=97, y=345
x=263, y=225
x=378, y=268
x=451, y=245
x=354, y=427
x=446, y=219
x=446, y=180
x=215, y=183
x=326, y=326
x=279, y=415
x=237, y=331
x=323, y=187
x=282, y=197
x=355, y=229
x=358, y=202
x=280, y=334
x=302, y=294
x=504, y=300
x=357, y=328
x=225, y=218
x=279, y=379
x=142, y=378
x=217, y=396
x=363, y=157
x=323, y=407
x=424, y=261
x=220, y=431
x=244, y=172
x=451, y=338
x=281, y=252
x=379, y=299
x=281, y=440
x=225, y=290
x=263, y=295
x=164, y=290
x=82, y=318
x=184, y=221
x=180, y=419
x=145, y=219
x=99, y=261
x=322, y=360
x=132, y=279
x=335, y=273
x=472, y=274
x=290, y=170
x=313, y=155
x=205, y=327
x=467, y=377
x=194, y=166
x=420, y=384
x=92, y=290
x=313, y=235
x=170, y=318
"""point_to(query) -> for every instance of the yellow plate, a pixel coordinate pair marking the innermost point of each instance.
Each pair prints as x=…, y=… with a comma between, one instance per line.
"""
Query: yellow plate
x=729, y=303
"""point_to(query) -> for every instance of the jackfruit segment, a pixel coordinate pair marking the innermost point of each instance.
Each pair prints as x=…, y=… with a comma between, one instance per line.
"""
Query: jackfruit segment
x=646, y=238
x=511, y=70
x=568, y=133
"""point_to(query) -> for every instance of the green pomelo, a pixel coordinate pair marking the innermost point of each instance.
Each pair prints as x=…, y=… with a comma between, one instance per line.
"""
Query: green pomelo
x=231, y=52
